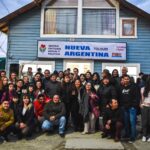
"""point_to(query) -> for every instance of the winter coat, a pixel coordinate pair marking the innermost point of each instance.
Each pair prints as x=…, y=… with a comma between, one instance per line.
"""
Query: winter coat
x=89, y=104
x=106, y=93
x=28, y=118
x=54, y=109
x=52, y=88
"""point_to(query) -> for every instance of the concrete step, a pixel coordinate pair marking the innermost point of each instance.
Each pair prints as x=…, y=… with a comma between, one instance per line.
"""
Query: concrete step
x=76, y=141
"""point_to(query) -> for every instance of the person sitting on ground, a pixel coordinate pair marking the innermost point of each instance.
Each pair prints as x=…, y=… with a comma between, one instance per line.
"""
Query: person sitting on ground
x=54, y=113
x=25, y=124
x=113, y=121
x=6, y=119
x=39, y=108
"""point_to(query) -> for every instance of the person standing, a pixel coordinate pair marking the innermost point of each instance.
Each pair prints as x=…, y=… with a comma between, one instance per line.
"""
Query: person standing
x=89, y=109
x=145, y=111
x=128, y=102
x=53, y=87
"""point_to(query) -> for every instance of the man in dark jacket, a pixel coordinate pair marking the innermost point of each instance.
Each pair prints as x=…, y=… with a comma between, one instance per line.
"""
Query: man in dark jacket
x=53, y=87
x=113, y=120
x=129, y=103
x=46, y=77
x=54, y=114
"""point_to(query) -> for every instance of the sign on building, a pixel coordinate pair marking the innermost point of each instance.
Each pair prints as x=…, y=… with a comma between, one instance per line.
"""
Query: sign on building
x=82, y=50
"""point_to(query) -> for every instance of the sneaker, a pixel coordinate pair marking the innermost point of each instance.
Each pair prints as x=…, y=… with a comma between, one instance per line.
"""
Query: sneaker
x=130, y=142
x=116, y=139
x=84, y=132
x=62, y=135
x=104, y=135
x=148, y=140
x=144, y=139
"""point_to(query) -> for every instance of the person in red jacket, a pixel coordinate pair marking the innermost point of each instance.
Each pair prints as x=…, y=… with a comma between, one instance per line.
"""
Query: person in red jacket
x=38, y=109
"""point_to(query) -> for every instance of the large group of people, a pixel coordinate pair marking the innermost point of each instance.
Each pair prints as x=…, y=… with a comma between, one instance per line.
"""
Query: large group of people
x=87, y=103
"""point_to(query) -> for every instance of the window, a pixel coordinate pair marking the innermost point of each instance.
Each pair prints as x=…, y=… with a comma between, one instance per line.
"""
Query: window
x=50, y=65
x=83, y=66
x=133, y=69
x=128, y=27
x=79, y=18
x=99, y=22
x=60, y=17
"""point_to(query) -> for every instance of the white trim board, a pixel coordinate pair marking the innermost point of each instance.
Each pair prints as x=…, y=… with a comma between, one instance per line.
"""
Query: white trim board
x=79, y=23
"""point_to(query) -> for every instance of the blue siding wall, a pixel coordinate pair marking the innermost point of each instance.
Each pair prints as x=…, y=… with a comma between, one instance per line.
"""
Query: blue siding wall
x=25, y=32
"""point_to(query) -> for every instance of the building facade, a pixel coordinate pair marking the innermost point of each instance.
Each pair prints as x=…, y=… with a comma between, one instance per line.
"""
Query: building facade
x=80, y=23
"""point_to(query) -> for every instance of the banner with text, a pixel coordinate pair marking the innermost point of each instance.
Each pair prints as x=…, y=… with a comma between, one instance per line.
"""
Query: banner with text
x=82, y=50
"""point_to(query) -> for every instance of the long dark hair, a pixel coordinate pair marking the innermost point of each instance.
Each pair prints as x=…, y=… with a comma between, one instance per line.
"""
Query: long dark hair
x=98, y=78
x=147, y=87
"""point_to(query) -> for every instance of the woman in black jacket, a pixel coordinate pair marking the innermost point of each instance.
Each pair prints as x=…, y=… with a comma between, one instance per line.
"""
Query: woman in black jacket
x=26, y=116
x=76, y=98
x=66, y=96
x=106, y=92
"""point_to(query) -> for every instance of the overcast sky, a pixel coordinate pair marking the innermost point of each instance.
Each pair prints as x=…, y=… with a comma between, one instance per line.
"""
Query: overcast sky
x=8, y=6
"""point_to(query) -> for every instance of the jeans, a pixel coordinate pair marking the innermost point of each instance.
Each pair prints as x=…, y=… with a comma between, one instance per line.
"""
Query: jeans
x=48, y=125
x=130, y=122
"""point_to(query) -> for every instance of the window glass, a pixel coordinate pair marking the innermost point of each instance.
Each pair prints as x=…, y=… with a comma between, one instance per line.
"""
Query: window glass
x=25, y=68
x=128, y=28
x=99, y=22
x=83, y=67
x=64, y=3
x=132, y=70
x=60, y=21
x=97, y=3
x=111, y=68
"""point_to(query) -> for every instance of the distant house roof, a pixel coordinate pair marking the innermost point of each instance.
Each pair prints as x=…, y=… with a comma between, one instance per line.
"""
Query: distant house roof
x=5, y=20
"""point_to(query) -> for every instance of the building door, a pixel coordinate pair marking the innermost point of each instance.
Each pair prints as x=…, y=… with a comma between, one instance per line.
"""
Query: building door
x=82, y=65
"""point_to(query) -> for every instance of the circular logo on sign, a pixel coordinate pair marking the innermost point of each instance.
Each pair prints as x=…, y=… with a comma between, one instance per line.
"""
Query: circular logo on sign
x=42, y=48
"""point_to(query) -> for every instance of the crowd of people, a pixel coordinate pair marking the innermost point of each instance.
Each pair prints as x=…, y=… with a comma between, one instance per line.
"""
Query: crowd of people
x=87, y=103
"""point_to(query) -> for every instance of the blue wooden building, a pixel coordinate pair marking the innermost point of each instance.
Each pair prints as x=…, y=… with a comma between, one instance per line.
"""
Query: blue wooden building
x=88, y=34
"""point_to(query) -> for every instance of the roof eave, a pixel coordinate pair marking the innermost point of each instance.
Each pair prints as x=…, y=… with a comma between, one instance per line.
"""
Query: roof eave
x=133, y=8
x=5, y=20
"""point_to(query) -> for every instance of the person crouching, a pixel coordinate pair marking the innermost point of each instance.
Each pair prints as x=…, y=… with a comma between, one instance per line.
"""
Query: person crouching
x=25, y=124
x=39, y=104
x=54, y=113
x=6, y=119
x=113, y=121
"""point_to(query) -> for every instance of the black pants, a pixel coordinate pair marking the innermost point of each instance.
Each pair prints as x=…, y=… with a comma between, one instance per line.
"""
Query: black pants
x=145, y=113
x=115, y=129
x=6, y=132
x=73, y=109
x=27, y=131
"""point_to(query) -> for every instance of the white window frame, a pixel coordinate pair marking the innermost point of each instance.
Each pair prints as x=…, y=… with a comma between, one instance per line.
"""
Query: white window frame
x=123, y=65
x=135, y=29
x=23, y=62
x=78, y=61
x=79, y=22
